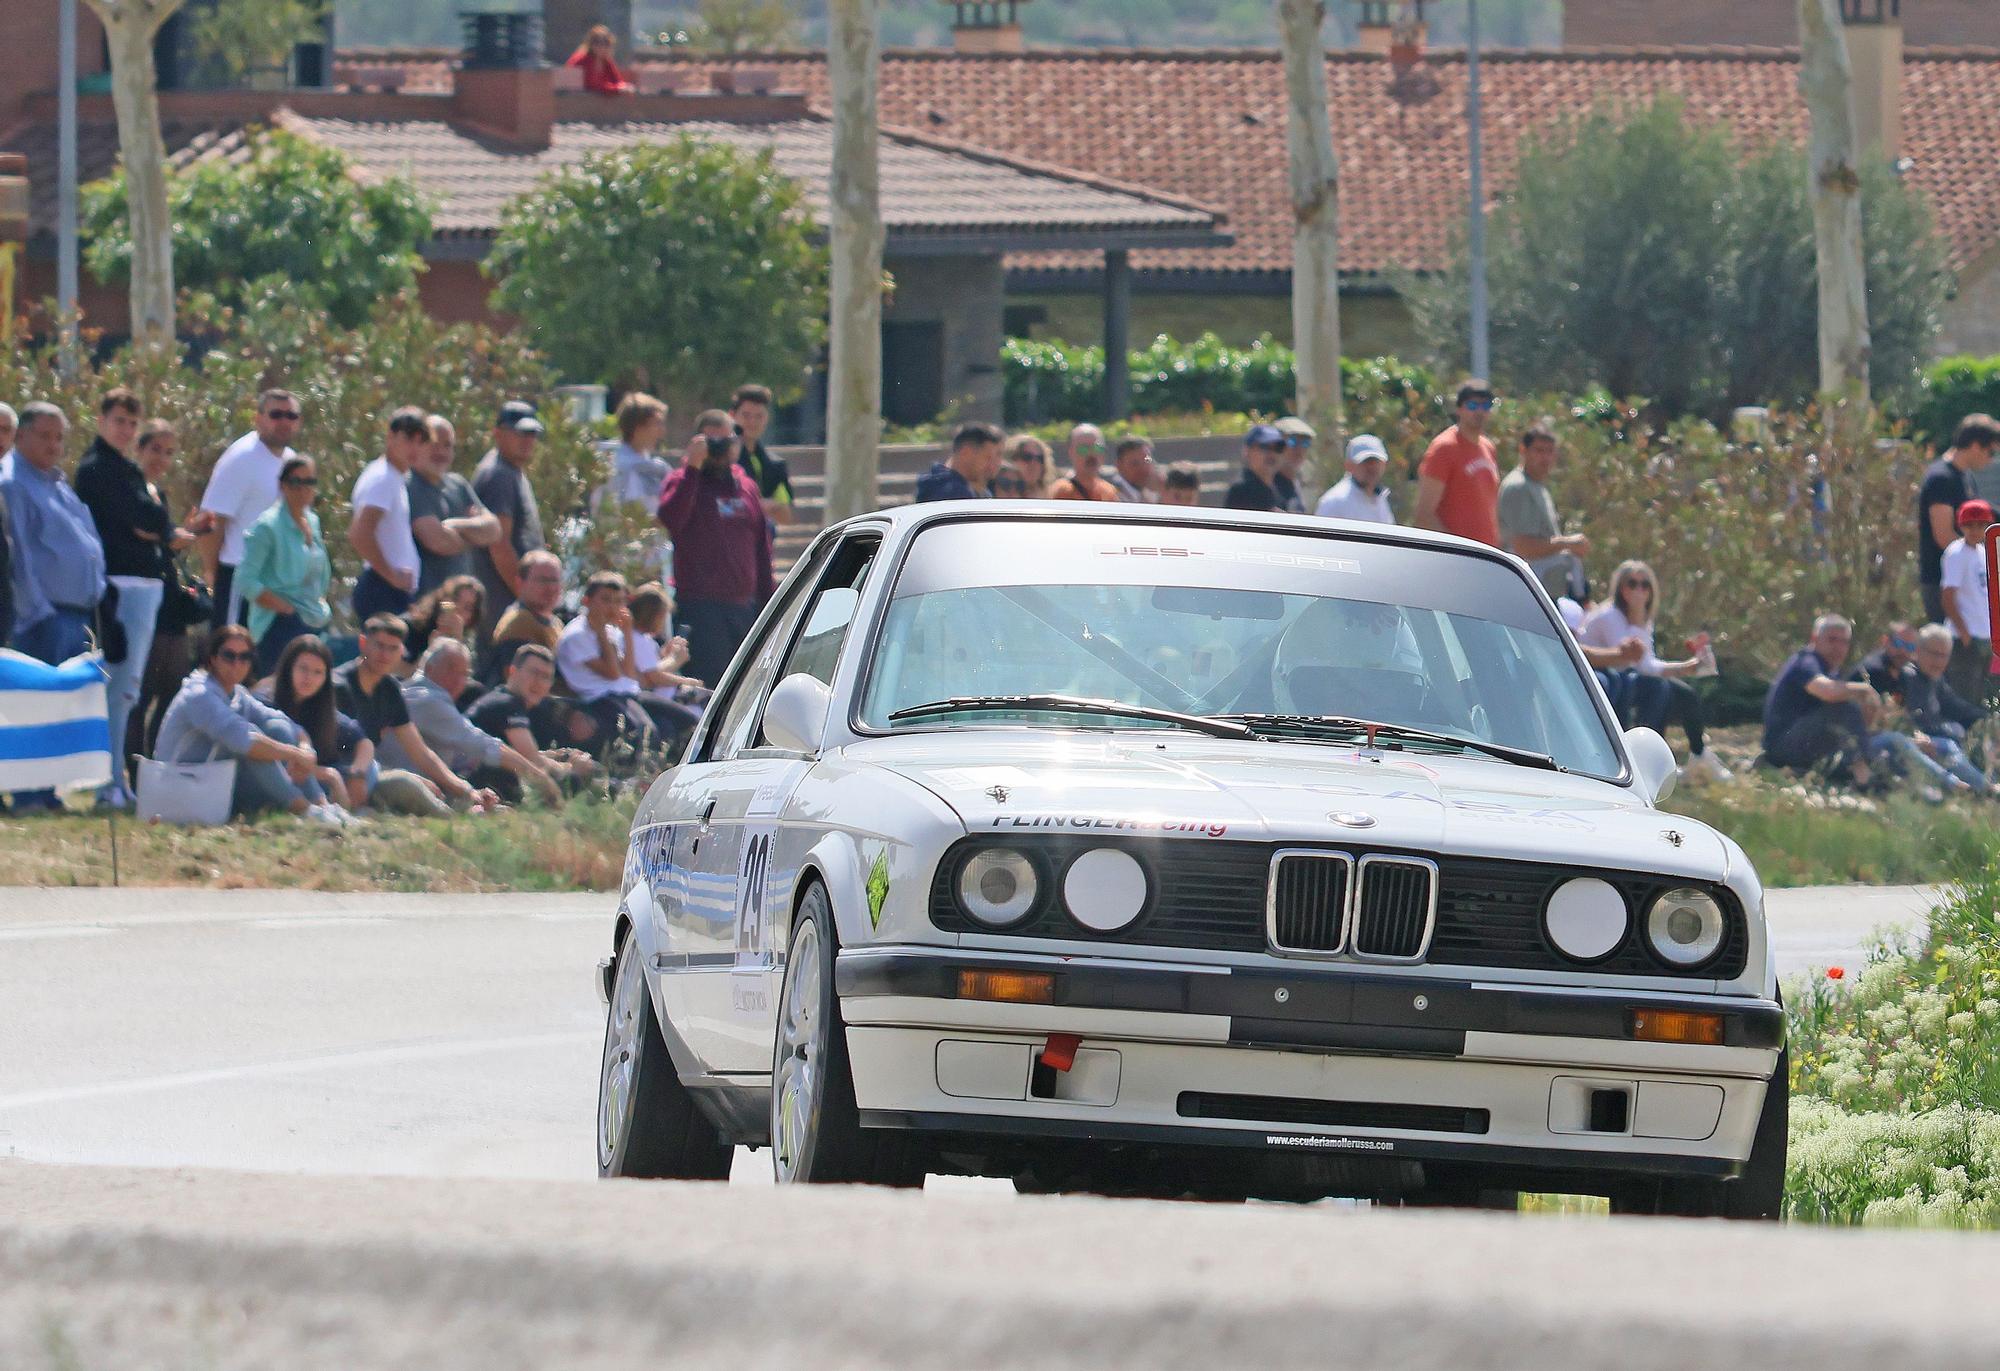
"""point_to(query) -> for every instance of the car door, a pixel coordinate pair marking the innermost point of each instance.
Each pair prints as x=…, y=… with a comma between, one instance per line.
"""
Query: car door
x=702, y=924
x=753, y=795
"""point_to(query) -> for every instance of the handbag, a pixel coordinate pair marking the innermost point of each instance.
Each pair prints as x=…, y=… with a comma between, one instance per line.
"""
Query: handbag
x=187, y=792
x=186, y=603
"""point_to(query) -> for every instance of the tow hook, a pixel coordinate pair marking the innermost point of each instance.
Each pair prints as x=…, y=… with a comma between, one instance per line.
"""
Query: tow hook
x=1058, y=1055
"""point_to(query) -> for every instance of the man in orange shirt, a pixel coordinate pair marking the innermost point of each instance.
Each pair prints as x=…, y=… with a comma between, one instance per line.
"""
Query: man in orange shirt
x=1086, y=460
x=1458, y=483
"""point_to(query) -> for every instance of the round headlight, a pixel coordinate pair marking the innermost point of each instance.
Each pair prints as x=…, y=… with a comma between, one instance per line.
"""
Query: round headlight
x=1685, y=926
x=1105, y=889
x=1586, y=918
x=997, y=886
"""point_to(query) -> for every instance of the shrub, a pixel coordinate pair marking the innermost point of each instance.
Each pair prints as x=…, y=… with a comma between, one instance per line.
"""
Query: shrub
x=287, y=222
x=1643, y=250
x=681, y=267
x=1952, y=388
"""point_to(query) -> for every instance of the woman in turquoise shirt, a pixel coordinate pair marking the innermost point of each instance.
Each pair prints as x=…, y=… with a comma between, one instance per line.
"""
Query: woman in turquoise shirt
x=285, y=570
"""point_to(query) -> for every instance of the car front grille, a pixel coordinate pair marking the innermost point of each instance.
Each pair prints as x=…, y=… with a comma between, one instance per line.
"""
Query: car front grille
x=1309, y=901
x=1222, y=895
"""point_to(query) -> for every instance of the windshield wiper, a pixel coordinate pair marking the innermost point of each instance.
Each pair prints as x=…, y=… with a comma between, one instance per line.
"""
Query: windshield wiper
x=1278, y=725
x=1075, y=704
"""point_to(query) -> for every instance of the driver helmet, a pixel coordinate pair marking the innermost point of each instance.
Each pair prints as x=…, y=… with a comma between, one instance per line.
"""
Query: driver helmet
x=1360, y=635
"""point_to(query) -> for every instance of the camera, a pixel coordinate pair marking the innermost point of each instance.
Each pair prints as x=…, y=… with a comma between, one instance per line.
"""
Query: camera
x=719, y=444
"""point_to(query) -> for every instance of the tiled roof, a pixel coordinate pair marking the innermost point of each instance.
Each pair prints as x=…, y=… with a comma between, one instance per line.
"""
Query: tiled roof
x=1210, y=126
x=187, y=141
x=928, y=186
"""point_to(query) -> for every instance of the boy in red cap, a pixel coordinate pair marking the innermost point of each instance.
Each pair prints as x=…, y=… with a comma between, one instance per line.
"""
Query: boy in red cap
x=1963, y=589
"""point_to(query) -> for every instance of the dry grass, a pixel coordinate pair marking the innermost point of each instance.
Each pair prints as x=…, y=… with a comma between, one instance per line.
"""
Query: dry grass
x=579, y=848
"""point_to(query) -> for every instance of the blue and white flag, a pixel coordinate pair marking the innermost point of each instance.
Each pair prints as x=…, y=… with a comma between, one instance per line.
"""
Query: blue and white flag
x=53, y=731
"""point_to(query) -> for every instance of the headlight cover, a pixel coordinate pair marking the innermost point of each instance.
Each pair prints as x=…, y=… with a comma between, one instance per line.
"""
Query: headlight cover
x=997, y=886
x=1105, y=889
x=1685, y=926
x=1586, y=919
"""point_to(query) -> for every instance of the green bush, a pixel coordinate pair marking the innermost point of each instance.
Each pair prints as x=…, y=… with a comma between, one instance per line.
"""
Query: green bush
x=286, y=222
x=1644, y=249
x=1952, y=388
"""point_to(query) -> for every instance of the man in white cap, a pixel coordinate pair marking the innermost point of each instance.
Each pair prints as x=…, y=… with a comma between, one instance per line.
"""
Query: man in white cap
x=1360, y=494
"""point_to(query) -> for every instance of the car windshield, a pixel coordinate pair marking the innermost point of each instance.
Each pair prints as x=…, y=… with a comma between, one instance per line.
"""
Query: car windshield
x=1216, y=621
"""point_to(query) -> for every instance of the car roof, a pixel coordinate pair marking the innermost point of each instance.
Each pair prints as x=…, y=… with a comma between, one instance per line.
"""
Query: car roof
x=908, y=518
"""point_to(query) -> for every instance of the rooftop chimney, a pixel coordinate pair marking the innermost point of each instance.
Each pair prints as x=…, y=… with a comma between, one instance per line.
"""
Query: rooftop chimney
x=502, y=86
x=1874, y=31
x=985, y=26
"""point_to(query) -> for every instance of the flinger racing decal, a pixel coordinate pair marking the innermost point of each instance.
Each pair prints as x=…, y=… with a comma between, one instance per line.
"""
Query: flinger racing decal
x=1204, y=828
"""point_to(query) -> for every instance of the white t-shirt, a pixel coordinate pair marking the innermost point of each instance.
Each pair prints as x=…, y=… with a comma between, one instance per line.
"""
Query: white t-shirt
x=381, y=486
x=1607, y=626
x=243, y=485
x=1965, y=572
x=1348, y=501
x=576, y=649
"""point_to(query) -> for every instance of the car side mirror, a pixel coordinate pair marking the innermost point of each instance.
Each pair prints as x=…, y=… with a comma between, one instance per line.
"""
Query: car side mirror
x=795, y=715
x=1652, y=763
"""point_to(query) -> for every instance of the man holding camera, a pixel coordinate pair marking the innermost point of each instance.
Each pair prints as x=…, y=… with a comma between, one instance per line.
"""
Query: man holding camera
x=722, y=546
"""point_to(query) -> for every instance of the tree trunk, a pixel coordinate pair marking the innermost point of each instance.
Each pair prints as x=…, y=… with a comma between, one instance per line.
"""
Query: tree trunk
x=1826, y=80
x=129, y=29
x=1315, y=183
x=854, y=372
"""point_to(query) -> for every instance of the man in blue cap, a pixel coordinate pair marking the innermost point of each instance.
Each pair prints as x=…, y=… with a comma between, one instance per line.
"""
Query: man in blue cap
x=1263, y=445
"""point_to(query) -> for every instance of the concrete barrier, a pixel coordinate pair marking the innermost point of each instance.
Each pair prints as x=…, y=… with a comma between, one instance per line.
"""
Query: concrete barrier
x=106, y=1268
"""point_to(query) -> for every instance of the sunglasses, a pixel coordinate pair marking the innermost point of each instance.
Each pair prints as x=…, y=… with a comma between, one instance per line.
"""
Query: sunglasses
x=302, y=481
x=1904, y=645
x=290, y=415
x=1091, y=450
x=235, y=658
x=1296, y=441
x=1478, y=406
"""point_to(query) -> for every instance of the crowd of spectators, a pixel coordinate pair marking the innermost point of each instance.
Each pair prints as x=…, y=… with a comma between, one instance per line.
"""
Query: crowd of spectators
x=464, y=685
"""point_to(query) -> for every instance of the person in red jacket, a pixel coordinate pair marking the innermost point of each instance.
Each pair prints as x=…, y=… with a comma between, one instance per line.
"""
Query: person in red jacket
x=597, y=56
x=722, y=547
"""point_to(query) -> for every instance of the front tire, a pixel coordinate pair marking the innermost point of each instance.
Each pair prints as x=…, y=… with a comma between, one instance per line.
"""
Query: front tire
x=816, y=1133
x=648, y=1125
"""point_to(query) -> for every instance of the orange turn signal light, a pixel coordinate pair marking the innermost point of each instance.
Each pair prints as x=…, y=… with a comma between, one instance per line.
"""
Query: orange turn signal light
x=1677, y=1026
x=1015, y=987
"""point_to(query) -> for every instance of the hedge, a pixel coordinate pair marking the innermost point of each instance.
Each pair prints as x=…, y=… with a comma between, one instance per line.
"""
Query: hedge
x=1952, y=388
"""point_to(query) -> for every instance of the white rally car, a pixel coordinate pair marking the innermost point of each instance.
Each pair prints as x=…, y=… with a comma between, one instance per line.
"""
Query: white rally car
x=1170, y=852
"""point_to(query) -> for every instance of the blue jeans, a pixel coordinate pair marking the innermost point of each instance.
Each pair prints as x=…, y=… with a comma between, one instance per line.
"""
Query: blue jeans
x=373, y=595
x=266, y=785
x=277, y=637
x=54, y=638
x=714, y=629
x=1952, y=758
x=139, y=612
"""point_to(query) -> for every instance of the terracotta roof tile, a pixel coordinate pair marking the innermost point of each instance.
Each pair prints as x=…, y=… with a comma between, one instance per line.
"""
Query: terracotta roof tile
x=1210, y=126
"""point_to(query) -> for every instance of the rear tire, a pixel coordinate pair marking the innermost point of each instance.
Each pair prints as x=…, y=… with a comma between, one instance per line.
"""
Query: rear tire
x=1758, y=1194
x=816, y=1133
x=648, y=1125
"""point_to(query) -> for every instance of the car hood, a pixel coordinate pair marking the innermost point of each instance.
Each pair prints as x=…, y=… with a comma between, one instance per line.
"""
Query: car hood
x=1194, y=788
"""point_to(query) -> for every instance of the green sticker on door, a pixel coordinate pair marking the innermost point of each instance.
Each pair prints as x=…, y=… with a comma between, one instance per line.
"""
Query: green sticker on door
x=878, y=888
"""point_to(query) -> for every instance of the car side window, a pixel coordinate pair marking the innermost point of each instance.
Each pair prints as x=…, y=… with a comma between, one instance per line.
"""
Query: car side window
x=736, y=715
x=817, y=650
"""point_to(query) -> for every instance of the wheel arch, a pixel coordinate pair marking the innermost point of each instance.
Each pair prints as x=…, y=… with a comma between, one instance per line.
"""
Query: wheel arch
x=834, y=863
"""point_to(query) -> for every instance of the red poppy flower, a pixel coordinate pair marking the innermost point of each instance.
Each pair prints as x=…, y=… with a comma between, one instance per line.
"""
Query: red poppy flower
x=1834, y=973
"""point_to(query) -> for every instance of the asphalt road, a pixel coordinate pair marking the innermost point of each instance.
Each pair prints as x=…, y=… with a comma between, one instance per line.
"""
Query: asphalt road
x=392, y=1035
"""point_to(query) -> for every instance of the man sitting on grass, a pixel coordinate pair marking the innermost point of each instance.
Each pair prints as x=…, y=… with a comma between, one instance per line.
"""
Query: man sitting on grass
x=1940, y=712
x=522, y=715
x=369, y=693
x=470, y=752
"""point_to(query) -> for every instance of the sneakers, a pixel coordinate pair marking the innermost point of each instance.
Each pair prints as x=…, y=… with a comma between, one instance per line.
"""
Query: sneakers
x=1704, y=768
x=329, y=816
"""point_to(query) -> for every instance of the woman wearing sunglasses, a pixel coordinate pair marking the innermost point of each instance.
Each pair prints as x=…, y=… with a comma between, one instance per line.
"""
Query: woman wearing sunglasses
x=285, y=569
x=214, y=718
x=1658, y=696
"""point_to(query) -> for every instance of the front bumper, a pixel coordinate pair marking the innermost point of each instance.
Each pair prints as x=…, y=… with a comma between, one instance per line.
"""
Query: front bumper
x=1307, y=1059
